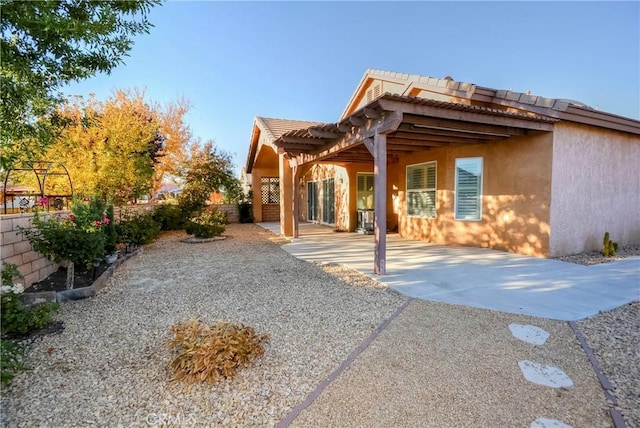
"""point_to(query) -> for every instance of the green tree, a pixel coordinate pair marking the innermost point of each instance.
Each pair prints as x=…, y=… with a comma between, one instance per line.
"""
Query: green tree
x=47, y=44
x=207, y=170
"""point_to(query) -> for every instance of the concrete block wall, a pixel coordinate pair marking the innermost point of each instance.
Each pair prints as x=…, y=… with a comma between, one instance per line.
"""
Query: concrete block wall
x=16, y=249
x=233, y=215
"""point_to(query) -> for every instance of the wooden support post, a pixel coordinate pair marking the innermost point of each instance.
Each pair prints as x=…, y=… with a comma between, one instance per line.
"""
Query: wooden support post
x=380, y=196
x=286, y=197
x=296, y=198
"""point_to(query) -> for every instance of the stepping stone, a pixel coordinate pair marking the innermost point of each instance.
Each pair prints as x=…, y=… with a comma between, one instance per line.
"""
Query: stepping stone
x=545, y=375
x=529, y=333
x=548, y=423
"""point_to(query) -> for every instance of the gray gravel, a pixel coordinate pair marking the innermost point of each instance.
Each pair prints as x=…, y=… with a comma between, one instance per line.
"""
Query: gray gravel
x=595, y=257
x=614, y=337
x=109, y=365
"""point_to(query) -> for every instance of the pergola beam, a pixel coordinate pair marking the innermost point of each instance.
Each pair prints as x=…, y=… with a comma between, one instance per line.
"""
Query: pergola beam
x=318, y=133
x=464, y=116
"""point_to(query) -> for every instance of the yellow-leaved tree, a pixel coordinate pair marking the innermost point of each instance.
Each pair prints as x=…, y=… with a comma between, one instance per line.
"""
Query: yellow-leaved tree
x=116, y=148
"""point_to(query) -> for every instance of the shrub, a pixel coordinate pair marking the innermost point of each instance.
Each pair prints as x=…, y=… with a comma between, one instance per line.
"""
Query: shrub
x=211, y=353
x=17, y=320
x=138, y=229
x=11, y=360
x=245, y=212
x=77, y=237
x=207, y=224
x=170, y=217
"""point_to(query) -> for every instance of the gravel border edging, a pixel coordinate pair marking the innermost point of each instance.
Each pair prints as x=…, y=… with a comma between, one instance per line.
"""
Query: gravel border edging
x=293, y=414
x=62, y=296
x=618, y=420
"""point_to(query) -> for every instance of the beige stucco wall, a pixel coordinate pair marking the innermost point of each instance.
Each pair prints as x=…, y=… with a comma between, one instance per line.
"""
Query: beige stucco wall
x=515, y=203
x=595, y=188
x=266, y=165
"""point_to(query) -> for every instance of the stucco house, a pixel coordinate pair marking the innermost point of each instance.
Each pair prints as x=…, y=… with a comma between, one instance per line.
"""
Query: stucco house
x=453, y=163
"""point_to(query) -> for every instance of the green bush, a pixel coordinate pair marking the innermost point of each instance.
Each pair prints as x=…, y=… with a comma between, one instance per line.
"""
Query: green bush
x=11, y=360
x=138, y=229
x=78, y=237
x=17, y=320
x=245, y=212
x=170, y=217
x=207, y=224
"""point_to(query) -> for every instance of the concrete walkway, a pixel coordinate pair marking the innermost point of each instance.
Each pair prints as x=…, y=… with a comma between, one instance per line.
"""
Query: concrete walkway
x=477, y=277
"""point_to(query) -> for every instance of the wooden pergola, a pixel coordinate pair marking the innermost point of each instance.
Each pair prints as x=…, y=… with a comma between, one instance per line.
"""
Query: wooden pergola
x=395, y=125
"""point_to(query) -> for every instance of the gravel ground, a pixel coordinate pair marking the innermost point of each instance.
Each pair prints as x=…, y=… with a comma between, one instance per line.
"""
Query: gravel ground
x=435, y=365
x=441, y=365
x=595, y=257
x=109, y=365
x=614, y=337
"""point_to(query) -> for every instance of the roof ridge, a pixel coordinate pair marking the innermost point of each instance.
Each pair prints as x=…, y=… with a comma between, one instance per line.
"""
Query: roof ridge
x=283, y=119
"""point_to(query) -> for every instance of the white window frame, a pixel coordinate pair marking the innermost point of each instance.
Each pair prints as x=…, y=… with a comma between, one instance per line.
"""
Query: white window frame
x=433, y=189
x=480, y=190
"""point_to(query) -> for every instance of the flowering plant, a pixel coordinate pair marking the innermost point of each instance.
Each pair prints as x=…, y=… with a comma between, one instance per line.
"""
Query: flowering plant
x=77, y=237
x=17, y=320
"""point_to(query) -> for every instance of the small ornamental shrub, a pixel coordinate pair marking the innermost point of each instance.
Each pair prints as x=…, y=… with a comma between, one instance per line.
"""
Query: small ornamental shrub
x=210, y=353
x=17, y=320
x=138, y=229
x=170, y=217
x=11, y=360
x=77, y=237
x=245, y=212
x=207, y=224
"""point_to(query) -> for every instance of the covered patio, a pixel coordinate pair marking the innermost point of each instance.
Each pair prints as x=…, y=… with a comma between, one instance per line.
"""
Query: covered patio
x=476, y=277
x=386, y=129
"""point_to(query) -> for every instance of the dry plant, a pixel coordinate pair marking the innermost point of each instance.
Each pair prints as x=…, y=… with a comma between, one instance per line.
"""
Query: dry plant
x=211, y=353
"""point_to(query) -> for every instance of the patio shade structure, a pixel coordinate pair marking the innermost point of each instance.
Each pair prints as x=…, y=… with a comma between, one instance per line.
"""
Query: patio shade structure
x=392, y=125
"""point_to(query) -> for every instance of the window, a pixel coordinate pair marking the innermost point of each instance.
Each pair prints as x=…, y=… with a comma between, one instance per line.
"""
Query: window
x=270, y=190
x=421, y=190
x=364, y=192
x=468, y=189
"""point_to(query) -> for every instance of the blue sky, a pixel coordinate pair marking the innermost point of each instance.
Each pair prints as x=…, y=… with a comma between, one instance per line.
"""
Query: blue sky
x=302, y=60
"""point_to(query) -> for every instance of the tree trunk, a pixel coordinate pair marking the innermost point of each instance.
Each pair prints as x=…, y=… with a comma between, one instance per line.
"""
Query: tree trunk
x=70, y=275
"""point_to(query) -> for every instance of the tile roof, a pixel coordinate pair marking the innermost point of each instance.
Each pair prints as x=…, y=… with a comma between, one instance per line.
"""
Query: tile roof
x=277, y=127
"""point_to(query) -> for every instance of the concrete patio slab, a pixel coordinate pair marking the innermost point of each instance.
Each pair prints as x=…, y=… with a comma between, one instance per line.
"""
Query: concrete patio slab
x=477, y=277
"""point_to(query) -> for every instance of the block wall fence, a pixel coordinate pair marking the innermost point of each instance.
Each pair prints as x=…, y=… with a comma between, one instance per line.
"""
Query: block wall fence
x=16, y=249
